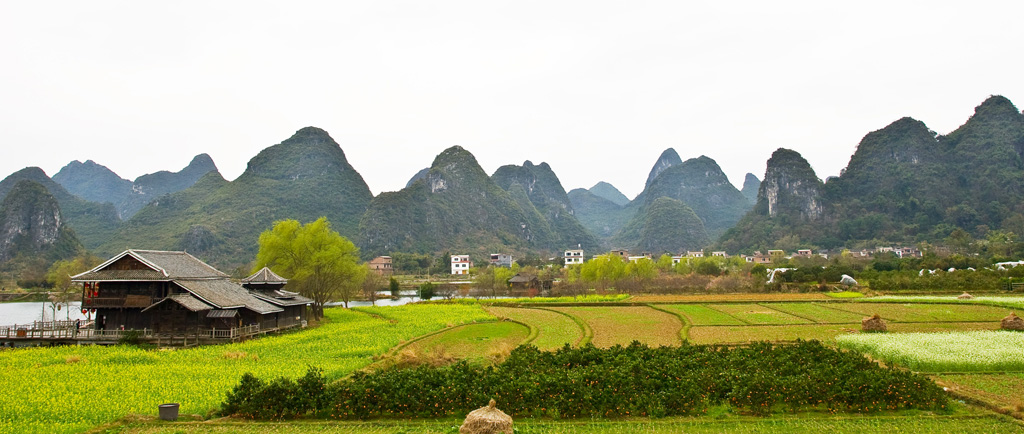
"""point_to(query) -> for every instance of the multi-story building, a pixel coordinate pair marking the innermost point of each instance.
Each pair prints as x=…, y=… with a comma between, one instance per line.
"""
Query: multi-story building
x=573, y=257
x=461, y=264
x=382, y=265
x=501, y=260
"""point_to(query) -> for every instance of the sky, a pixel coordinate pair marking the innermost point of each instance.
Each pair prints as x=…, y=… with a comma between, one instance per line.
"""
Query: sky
x=596, y=89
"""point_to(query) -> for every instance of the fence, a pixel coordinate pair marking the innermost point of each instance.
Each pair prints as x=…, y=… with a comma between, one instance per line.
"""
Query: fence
x=68, y=330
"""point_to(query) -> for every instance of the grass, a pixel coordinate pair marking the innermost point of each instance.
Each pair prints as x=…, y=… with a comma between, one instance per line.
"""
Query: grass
x=935, y=327
x=620, y=325
x=974, y=351
x=473, y=342
x=700, y=315
x=820, y=313
x=741, y=297
x=756, y=314
x=1003, y=390
x=554, y=329
x=916, y=312
x=1013, y=302
x=742, y=334
x=815, y=424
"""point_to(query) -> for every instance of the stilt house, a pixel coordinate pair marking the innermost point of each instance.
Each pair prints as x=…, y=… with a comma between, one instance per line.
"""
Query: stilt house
x=174, y=292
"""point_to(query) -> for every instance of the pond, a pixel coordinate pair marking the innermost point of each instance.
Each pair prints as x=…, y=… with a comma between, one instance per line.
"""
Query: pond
x=27, y=312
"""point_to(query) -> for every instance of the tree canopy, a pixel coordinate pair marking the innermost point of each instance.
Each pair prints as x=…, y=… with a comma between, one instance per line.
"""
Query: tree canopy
x=318, y=262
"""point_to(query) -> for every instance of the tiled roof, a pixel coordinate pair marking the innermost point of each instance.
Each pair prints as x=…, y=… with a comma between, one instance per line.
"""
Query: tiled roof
x=224, y=294
x=108, y=275
x=186, y=300
x=281, y=298
x=264, y=276
x=179, y=265
x=163, y=265
x=225, y=313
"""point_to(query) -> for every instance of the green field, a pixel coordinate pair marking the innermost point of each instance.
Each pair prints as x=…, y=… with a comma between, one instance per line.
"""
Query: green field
x=976, y=351
x=813, y=424
x=71, y=389
x=554, y=329
x=743, y=334
x=818, y=312
x=700, y=315
x=473, y=341
x=620, y=325
x=1003, y=390
x=915, y=312
x=756, y=314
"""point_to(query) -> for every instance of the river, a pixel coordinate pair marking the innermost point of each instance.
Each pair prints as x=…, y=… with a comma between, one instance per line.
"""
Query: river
x=27, y=312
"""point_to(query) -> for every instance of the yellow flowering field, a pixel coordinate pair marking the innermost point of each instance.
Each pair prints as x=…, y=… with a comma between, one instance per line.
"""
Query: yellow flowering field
x=70, y=389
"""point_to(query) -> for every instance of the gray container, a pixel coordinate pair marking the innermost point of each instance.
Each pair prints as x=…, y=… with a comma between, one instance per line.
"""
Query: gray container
x=169, y=411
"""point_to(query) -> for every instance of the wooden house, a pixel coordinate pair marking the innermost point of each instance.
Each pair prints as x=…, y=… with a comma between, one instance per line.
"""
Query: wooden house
x=168, y=292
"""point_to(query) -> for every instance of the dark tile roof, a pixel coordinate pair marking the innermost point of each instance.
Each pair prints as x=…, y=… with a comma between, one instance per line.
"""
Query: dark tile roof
x=224, y=294
x=222, y=313
x=186, y=300
x=281, y=298
x=108, y=275
x=264, y=276
x=164, y=265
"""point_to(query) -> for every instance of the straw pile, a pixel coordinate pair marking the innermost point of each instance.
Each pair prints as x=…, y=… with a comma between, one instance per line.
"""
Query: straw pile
x=965, y=296
x=1012, y=322
x=487, y=420
x=873, y=324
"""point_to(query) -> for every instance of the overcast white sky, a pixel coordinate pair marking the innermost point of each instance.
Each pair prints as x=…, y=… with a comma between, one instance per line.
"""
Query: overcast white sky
x=597, y=89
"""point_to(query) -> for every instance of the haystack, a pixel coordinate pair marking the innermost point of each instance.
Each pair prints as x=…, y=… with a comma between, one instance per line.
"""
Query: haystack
x=1012, y=322
x=964, y=296
x=487, y=420
x=873, y=324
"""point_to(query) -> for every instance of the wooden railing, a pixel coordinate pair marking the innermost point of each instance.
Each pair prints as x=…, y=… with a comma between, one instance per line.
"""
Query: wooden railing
x=232, y=333
x=68, y=330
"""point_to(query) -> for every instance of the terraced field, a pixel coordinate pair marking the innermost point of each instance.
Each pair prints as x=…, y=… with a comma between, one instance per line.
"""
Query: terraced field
x=474, y=341
x=620, y=325
x=553, y=329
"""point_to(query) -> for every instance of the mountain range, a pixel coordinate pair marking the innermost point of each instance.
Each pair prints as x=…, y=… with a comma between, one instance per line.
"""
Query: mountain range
x=904, y=184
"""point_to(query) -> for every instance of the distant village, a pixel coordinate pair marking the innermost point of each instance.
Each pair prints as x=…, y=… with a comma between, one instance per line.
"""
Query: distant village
x=461, y=264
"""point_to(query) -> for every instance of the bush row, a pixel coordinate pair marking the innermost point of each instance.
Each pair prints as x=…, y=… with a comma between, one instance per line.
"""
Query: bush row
x=616, y=382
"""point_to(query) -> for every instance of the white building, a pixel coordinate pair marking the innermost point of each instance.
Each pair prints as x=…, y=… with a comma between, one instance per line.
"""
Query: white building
x=573, y=257
x=461, y=264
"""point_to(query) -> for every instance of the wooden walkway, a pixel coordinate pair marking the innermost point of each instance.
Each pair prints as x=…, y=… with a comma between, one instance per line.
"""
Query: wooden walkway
x=81, y=332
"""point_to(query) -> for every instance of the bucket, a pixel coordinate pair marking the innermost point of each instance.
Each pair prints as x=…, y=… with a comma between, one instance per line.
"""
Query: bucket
x=169, y=411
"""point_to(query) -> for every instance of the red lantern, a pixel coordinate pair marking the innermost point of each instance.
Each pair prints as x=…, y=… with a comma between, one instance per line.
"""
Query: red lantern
x=85, y=311
x=92, y=310
x=96, y=293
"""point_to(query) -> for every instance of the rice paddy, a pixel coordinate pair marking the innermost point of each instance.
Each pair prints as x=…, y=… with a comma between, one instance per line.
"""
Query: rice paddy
x=620, y=325
x=756, y=314
x=554, y=329
x=473, y=342
x=918, y=312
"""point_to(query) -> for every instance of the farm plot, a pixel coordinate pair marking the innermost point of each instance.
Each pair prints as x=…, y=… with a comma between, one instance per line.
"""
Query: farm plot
x=934, y=327
x=473, y=341
x=1000, y=389
x=817, y=312
x=756, y=314
x=700, y=315
x=975, y=351
x=554, y=329
x=916, y=312
x=743, y=334
x=621, y=325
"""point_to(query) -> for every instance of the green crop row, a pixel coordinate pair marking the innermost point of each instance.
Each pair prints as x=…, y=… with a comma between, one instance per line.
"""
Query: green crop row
x=974, y=351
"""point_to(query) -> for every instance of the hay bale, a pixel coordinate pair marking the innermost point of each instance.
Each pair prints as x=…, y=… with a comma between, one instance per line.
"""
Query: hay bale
x=1012, y=322
x=873, y=324
x=965, y=296
x=487, y=420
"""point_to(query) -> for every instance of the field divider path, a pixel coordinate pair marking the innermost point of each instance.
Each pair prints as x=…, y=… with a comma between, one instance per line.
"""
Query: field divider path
x=400, y=347
x=534, y=331
x=684, y=332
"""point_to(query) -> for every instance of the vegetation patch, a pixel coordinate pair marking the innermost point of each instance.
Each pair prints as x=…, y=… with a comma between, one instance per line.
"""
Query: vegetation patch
x=976, y=351
x=845, y=294
x=620, y=325
x=473, y=341
x=821, y=313
x=1011, y=302
x=783, y=333
x=1000, y=389
x=111, y=382
x=935, y=327
x=555, y=329
x=759, y=315
x=910, y=424
x=699, y=315
x=918, y=312
x=621, y=381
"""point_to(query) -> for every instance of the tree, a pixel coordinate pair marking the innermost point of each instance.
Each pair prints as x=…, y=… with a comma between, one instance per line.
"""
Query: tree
x=393, y=287
x=373, y=283
x=318, y=262
x=59, y=276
